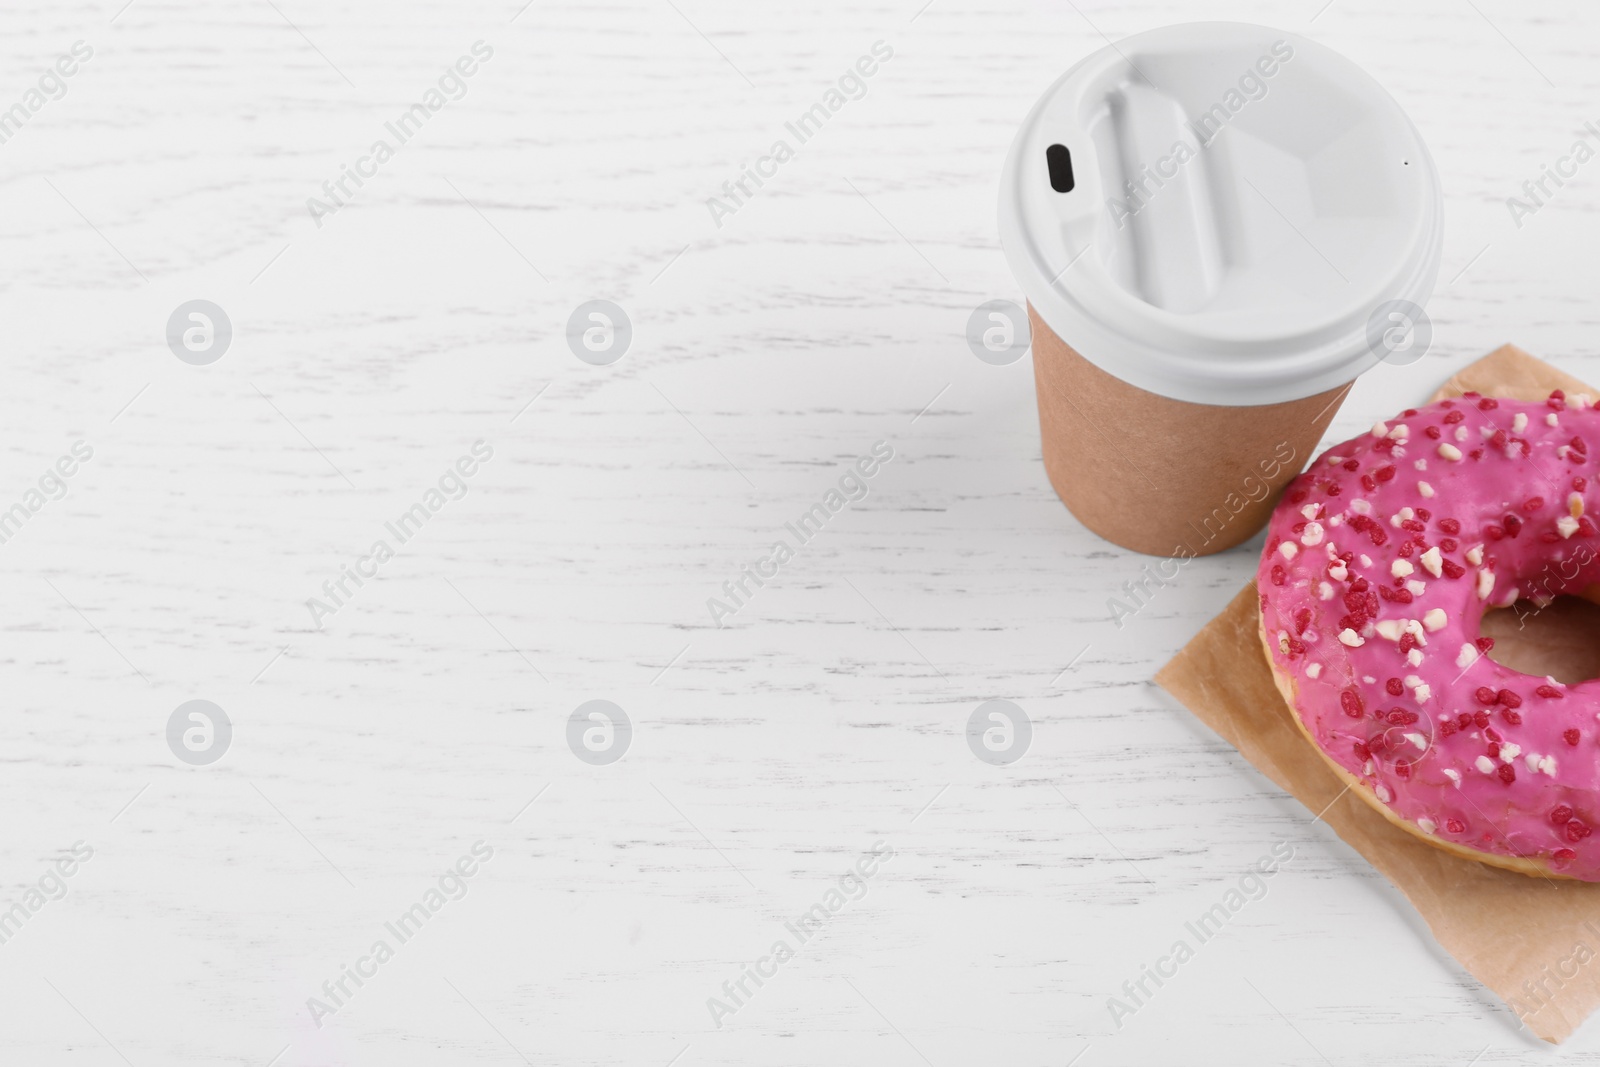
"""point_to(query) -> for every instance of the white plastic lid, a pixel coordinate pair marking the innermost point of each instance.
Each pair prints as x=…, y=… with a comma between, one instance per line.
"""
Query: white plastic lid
x=1214, y=211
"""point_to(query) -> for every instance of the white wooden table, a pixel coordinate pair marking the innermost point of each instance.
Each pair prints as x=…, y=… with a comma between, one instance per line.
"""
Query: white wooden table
x=430, y=710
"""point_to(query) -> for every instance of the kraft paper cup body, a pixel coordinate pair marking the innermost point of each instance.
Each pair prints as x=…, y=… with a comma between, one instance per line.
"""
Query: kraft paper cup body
x=1162, y=476
x=1218, y=227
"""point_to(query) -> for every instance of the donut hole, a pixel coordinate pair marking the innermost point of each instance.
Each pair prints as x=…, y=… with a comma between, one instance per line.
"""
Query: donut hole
x=1561, y=639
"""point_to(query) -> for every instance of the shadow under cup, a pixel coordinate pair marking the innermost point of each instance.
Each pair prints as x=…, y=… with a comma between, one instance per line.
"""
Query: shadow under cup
x=1161, y=476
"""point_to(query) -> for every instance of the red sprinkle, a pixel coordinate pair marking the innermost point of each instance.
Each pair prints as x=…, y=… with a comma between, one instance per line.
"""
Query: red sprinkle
x=1395, y=687
x=1455, y=826
x=1576, y=831
x=1550, y=692
x=1454, y=417
x=1384, y=474
x=1488, y=404
x=1507, y=773
x=1571, y=737
x=1560, y=814
x=1563, y=856
x=1451, y=569
x=1508, y=698
x=1350, y=701
x=1485, y=695
x=1533, y=503
x=1484, y=645
x=1450, y=526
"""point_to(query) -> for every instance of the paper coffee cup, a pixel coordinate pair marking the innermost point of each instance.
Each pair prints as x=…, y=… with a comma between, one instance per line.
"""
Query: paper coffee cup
x=1218, y=226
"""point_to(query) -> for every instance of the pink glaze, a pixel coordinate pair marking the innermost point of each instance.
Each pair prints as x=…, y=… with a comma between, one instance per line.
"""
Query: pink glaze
x=1380, y=562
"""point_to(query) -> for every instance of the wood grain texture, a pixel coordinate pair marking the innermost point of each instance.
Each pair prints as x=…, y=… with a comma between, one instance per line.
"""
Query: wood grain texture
x=825, y=315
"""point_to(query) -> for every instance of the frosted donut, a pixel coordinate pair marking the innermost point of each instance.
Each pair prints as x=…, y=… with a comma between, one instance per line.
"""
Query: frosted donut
x=1379, y=564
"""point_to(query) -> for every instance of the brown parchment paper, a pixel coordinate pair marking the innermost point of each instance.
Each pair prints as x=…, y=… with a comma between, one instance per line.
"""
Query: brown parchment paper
x=1534, y=942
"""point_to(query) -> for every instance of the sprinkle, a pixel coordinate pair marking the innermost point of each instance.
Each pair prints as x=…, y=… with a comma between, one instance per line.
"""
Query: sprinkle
x=1432, y=561
x=1566, y=525
x=1485, y=583
x=1400, y=432
x=1474, y=555
x=1312, y=535
x=1400, y=568
x=1366, y=560
x=1418, y=740
x=1547, y=765
x=1509, y=752
x=1575, y=505
x=1422, y=692
x=1461, y=433
x=1389, y=629
x=1383, y=792
x=1310, y=510
x=1414, y=657
x=1427, y=825
x=1485, y=764
x=1519, y=422
x=1333, y=460
x=1416, y=587
x=1421, y=464
x=1361, y=507
x=1380, y=430
x=1454, y=776
x=1466, y=657
x=1425, y=489
x=1551, y=420
x=1313, y=670
x=1449, y=451
x=1351, y=639
x=1289, y=549
x=1436, y=620
x=1325, y=591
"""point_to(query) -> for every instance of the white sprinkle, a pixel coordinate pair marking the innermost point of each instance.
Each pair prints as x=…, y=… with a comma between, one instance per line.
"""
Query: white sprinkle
x=1509, y=752
x=1453, y=775
x=1416, y=586
x=1548, y=766
x=1436, y=620
x=1485, y=583
x=1361, y=507
x=1366, y=560
x=1383, y=792
x=1487, y=431
x=1461, y=433
x=1400, y=432
x=1566, y=526
x=1313, y=670
x=1421, y=464
x=1449, y=451
x=1351, y=639
x=1400, y=568
x=1485, y=764
x=1414, y=628
x=1432, y=561
x=1310, y=510
x=1312, y=535
x=1519, y=422
x=1509, y=599
x=1389, y=629
x=1551, y=420
x=1425, y=489
x=1418, y=740
x=1338, y=572
x=1333, y=460
x=1466, y=657
x=1475, y=555
x=1427, y=825
x=1422, y=693
x=1288, y=549
x=1324, y=591
x=1379, y=429
x=1414, y=657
